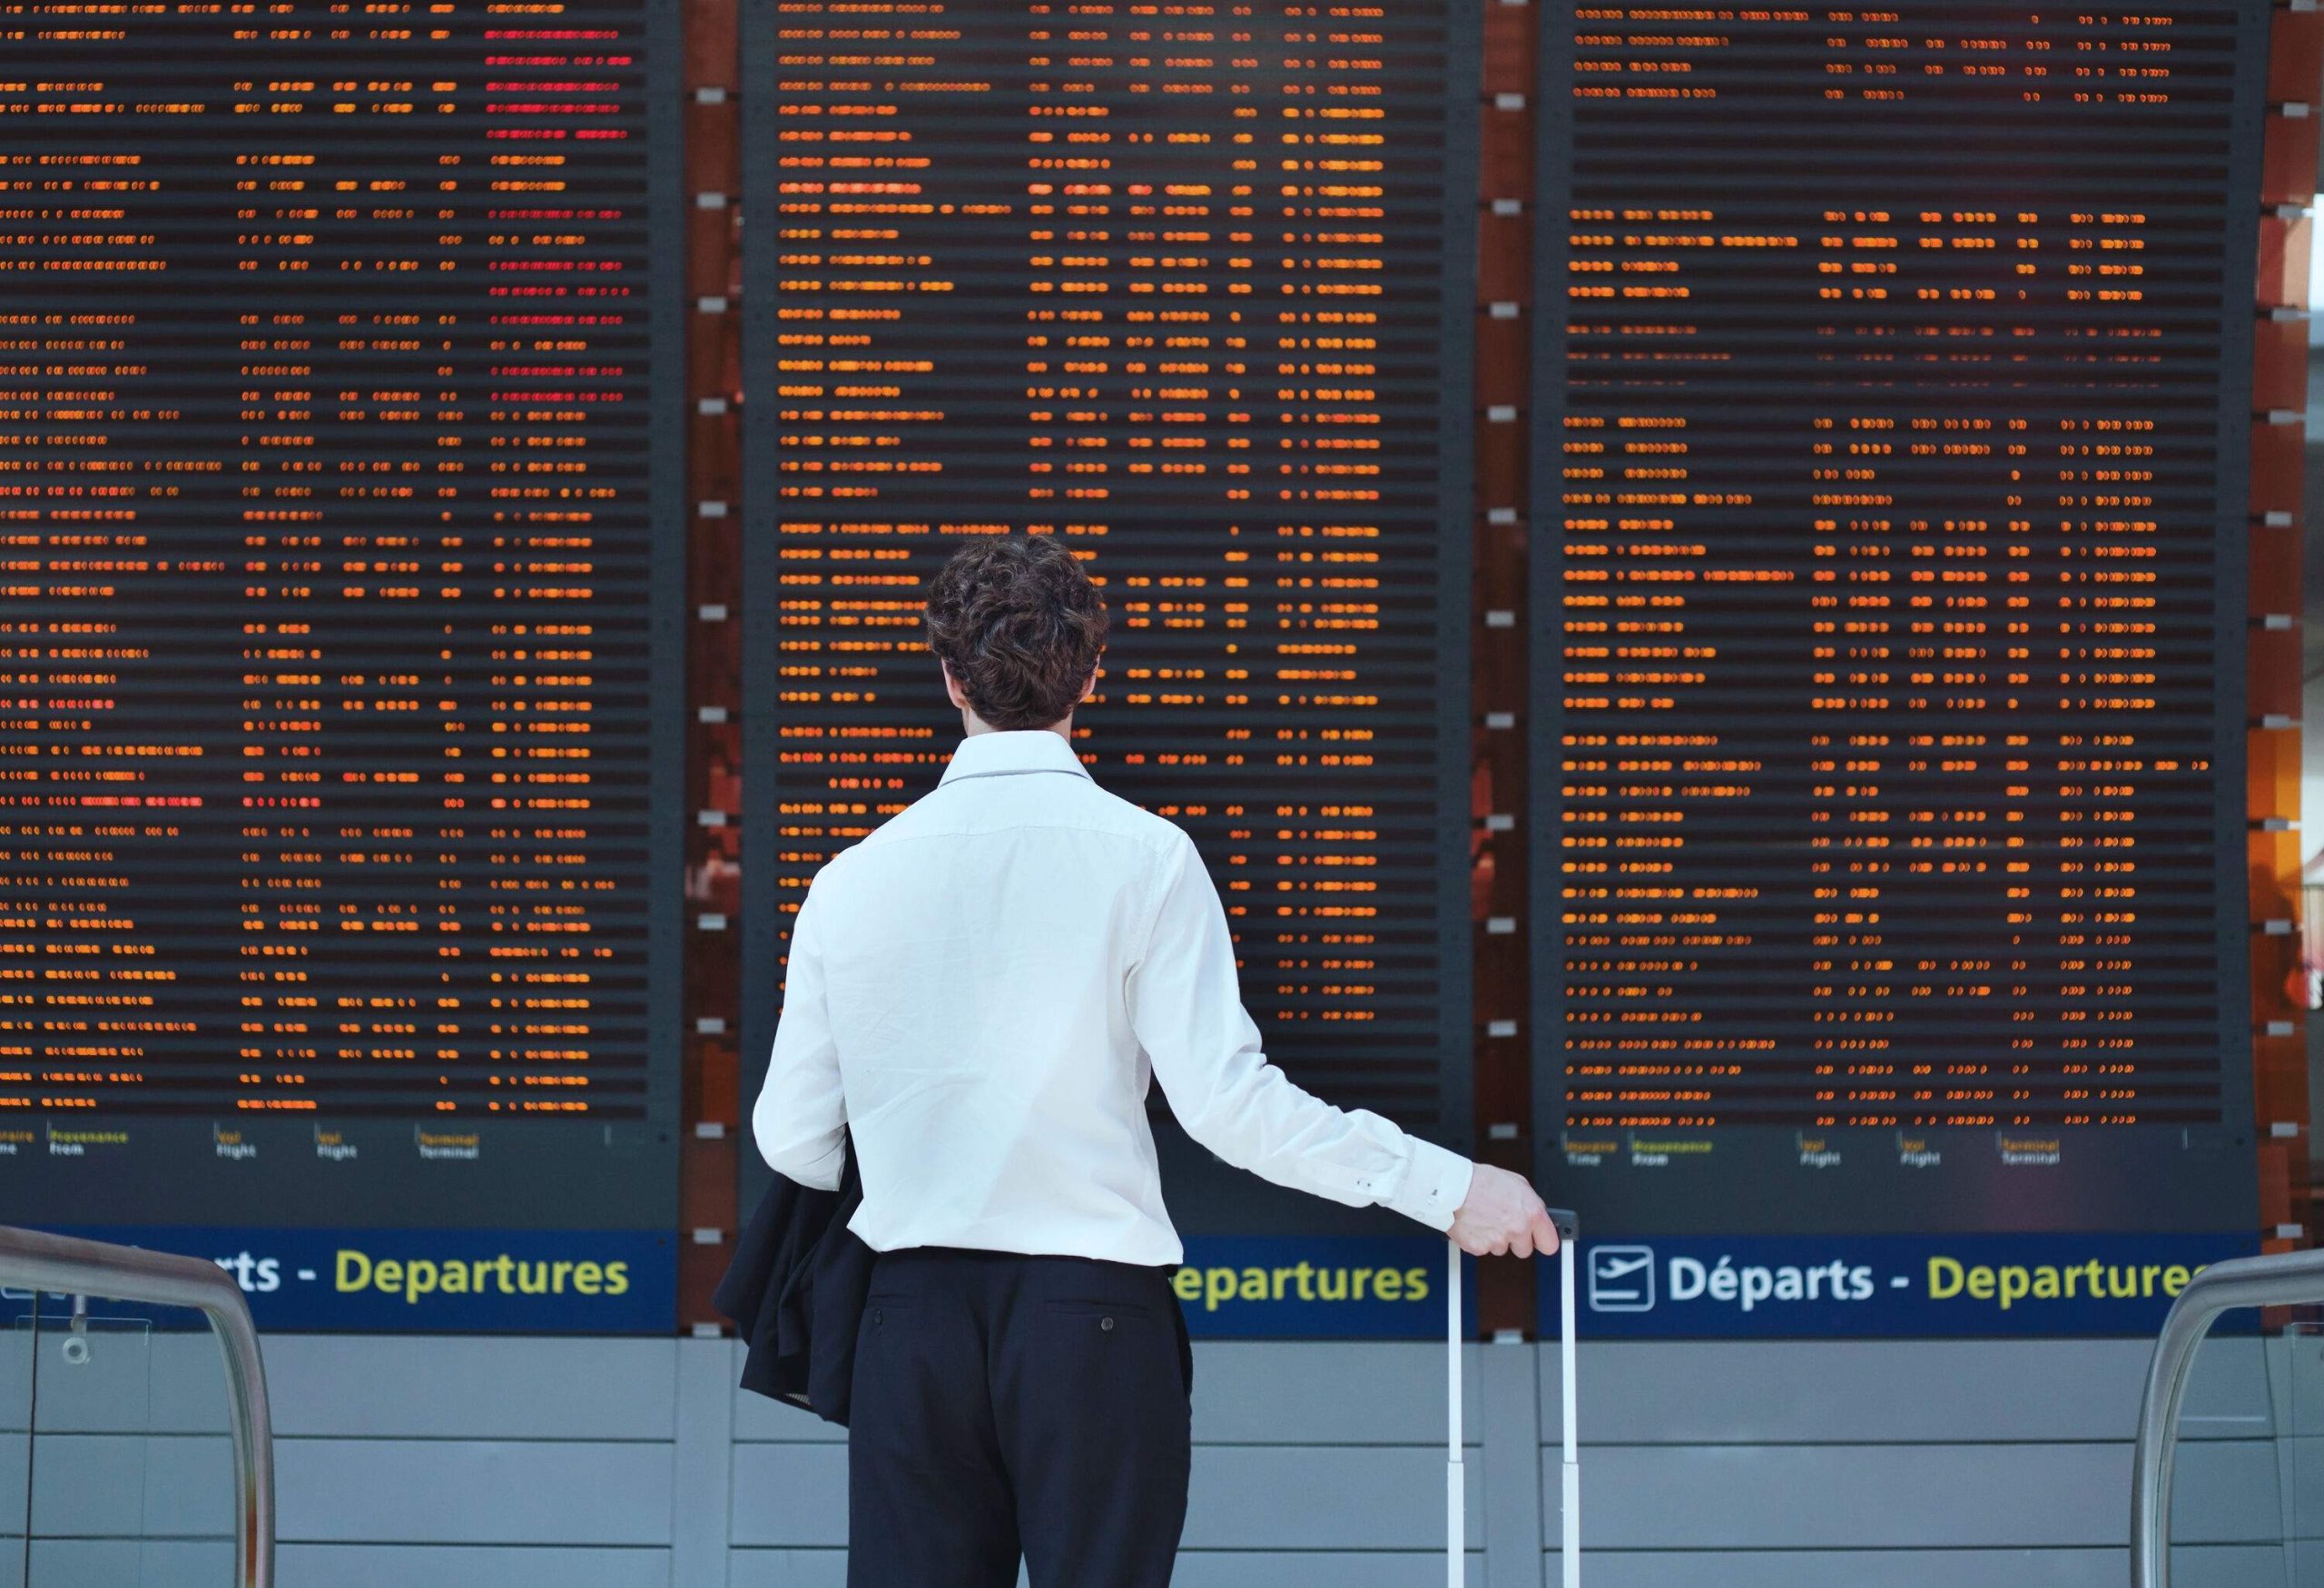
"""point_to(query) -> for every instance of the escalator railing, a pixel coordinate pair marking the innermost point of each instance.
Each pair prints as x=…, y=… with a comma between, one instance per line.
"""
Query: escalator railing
x=2286, y=1279
x=58, y=1265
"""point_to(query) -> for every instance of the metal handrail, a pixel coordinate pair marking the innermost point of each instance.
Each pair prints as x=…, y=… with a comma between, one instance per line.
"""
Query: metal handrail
x=31, y=1259
x=2285, y=1280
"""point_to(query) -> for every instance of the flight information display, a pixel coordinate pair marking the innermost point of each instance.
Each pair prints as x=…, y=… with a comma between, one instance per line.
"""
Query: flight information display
x=339, y=816
x=1894, y=378
x=1187, y=286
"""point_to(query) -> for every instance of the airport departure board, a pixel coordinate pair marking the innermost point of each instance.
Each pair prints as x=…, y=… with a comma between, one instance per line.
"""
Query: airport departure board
x=339, y=815
x=1893, y=380
x=1189, y=287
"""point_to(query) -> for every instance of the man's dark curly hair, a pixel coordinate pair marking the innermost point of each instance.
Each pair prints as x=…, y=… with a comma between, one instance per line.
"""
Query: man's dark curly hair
x=1019, y=624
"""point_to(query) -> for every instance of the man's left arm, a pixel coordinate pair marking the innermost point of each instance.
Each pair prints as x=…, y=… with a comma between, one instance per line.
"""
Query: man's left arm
x=1185, y=1002
x=801, y=1119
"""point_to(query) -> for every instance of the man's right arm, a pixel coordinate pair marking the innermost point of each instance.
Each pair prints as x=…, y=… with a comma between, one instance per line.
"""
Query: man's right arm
x=801, y=1117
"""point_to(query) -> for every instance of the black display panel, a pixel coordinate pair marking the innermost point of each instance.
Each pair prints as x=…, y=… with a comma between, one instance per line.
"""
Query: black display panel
x=1894, y=378
x=1190, y=287
x=341, y=815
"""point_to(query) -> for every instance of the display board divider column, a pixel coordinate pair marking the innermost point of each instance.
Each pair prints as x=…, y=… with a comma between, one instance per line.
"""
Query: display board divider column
x=709, y=1198
x=2287, y=186
x=1500, y=918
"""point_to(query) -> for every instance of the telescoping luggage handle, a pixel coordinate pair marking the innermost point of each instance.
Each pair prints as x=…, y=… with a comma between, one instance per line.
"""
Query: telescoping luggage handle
x=1456, y=1497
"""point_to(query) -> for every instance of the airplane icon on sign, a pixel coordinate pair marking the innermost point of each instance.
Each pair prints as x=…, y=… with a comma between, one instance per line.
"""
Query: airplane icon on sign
x=1621, y=1279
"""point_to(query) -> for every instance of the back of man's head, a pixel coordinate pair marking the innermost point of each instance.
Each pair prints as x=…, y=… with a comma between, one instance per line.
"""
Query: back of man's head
x=1019, y=626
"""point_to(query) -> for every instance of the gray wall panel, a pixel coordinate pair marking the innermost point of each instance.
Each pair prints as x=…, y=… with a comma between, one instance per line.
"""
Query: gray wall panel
x=1506, y=1488
x=382, y=1386
x=1320, y=1498
x=379, y=1385
x=111, y=1485
x=2223, y=1491
x=15, y=1372
x=791, y=1495
x=787, y=1568
x=458, y=1491
x=128, y=1563
x=357, y=1565
x=2224, y=1566
x=2302, y=1470
x=1911, y=1496
x=702, y=1462
x=1327, y=1393
x=2203, y=1567
x=16, y=1473
x=1775, y=1391
x=1276, y=1569
x=2297, y=1363
x=757, y=1418
x=188, y=1385
x=417, y=1388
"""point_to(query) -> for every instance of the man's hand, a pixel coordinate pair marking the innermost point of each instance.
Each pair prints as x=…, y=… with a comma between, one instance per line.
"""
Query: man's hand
x=1503, y=1216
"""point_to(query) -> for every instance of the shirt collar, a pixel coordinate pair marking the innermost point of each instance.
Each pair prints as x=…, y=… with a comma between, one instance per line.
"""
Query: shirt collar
x=1001, y=755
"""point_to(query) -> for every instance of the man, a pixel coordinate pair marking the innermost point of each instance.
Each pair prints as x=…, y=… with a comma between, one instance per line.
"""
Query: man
x=979, y=991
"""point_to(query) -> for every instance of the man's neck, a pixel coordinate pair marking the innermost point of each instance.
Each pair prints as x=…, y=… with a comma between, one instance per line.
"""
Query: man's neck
x=972, y=724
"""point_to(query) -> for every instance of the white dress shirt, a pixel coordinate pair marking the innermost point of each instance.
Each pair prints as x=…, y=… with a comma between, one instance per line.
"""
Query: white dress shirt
x=980, y=990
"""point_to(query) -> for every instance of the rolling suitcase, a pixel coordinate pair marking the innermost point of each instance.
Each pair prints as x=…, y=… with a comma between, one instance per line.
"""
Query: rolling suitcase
x=1456, y=1476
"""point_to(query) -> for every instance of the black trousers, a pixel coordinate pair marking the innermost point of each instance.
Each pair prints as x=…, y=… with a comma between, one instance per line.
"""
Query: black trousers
x=1007, y=1405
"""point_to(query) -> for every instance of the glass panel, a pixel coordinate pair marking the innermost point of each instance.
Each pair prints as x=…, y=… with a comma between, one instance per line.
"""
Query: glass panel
x=132, y=1472
x=17, y=1343
x=2303, y=1458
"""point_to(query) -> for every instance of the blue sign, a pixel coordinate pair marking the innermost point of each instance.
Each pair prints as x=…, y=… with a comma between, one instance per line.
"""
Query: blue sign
x=1390, y=1287
x=1705, y=1287
x=624, y=1282
x=437, y=1281
x=1317, y=1287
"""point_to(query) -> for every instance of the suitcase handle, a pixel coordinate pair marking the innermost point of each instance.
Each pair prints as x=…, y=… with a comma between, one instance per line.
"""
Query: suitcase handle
x=1568, y=1228
x=1456, y=1490
x=1570, y=1491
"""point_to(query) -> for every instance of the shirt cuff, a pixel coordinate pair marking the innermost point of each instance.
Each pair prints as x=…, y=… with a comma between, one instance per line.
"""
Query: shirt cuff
x=1435, y=1184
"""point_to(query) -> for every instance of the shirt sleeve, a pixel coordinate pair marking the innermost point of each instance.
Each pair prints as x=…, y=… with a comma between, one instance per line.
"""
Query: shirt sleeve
x=1185, y=1006
x=801, y=1120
